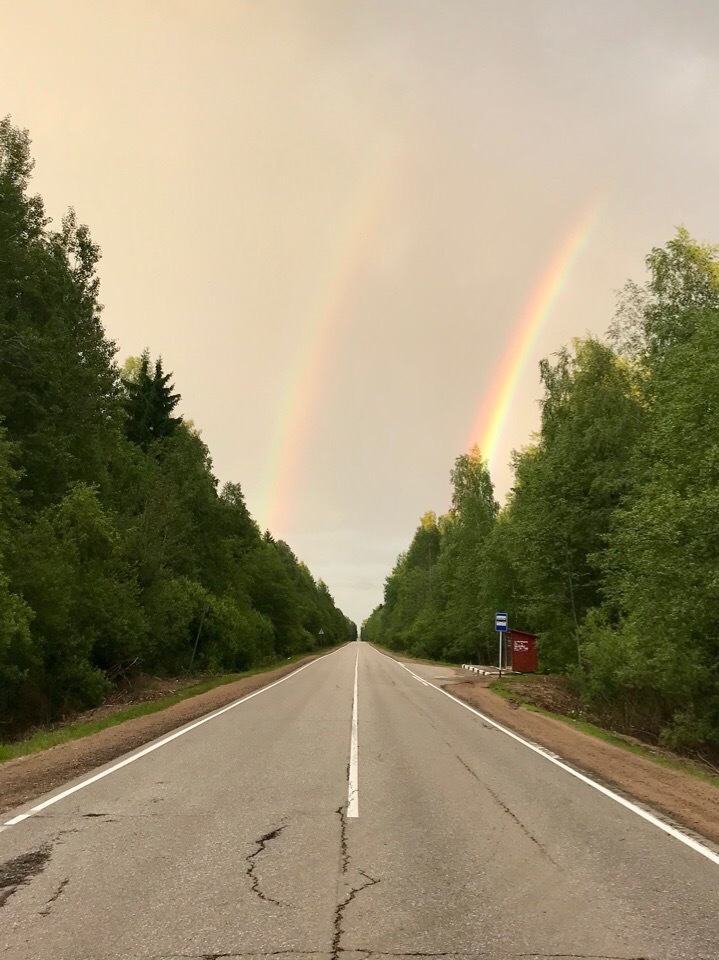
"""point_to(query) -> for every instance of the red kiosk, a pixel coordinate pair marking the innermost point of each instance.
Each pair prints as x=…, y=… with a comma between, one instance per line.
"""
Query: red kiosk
x=523, y=656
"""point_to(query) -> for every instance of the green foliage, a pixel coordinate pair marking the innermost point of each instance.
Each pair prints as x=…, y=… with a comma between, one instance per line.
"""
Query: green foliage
x=607, y=547
x=433, y=604
x=567, y=485
x=17, y=655
x=149, y=402
x=655, y=641
x=68, y=566
x=661, y=564
x=116, y=551
x=58, y=386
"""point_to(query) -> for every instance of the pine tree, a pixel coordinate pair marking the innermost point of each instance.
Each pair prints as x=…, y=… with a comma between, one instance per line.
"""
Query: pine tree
x=149, y=403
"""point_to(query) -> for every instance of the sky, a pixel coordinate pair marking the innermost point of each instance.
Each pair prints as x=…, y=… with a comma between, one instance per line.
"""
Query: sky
x=352, y=228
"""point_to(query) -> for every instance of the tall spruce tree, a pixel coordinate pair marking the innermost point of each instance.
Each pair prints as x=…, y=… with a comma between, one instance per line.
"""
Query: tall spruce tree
x=149, y=403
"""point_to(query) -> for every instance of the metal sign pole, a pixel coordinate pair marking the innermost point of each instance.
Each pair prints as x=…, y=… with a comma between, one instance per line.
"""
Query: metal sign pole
x=500, y=625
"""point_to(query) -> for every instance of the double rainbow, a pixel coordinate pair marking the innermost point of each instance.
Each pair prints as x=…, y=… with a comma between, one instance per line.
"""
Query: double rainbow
x=361, y=222
x=496, y=405
x=359, y=226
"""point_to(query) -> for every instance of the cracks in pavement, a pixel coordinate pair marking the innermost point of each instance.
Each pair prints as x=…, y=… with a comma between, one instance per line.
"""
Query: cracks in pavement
x=60, y=890
x=252, y=866
x=258, y=953
x=395, y=953
x=223, y=955
x=498, y=800
x=340, y=910
x=354, y=892
x=340, y=811
x=63, y=833
x=492, y=955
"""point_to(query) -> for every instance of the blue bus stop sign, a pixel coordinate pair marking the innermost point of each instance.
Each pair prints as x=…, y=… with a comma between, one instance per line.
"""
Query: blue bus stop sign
x=500, y=622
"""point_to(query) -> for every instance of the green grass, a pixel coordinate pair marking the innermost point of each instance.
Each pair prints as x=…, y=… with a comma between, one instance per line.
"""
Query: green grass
x=498, y=687
x=683, y=766
x=43, y=739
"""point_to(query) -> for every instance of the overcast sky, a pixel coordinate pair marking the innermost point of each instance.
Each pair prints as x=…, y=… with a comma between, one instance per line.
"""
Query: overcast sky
x=328, y=215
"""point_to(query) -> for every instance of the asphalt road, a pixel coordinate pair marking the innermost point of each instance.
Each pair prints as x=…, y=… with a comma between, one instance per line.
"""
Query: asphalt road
x=234, y=839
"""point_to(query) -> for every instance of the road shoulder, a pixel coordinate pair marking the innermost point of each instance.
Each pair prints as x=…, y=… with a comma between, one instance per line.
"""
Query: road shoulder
x=28, y=777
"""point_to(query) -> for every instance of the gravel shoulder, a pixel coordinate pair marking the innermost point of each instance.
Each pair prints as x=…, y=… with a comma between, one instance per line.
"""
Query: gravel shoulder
x=26, y=778
x=682, y=797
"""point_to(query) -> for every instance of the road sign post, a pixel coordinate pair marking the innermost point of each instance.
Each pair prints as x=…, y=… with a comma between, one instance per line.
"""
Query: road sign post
x=500, y=625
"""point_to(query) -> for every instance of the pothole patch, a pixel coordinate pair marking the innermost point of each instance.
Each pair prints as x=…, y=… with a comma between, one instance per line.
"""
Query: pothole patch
x=19, y=871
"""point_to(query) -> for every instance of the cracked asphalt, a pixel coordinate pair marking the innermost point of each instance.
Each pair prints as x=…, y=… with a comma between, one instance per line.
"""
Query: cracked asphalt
x=233, y=841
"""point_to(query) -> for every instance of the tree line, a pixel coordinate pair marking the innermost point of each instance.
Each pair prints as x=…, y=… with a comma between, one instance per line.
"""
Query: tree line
x=116, y=544
x=608, y=544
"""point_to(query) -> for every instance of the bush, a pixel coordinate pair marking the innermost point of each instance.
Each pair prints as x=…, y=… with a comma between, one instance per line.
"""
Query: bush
x=233, y=638
x=69, y=569
x=174, y=609
x=643, y=678
x=17, y=653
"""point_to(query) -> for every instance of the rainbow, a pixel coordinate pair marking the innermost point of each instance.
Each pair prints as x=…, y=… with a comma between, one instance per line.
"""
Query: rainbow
x=497, y=401
x=359, y=228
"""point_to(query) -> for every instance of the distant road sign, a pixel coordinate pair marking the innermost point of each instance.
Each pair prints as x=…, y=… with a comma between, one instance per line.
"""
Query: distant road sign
x=500, y=622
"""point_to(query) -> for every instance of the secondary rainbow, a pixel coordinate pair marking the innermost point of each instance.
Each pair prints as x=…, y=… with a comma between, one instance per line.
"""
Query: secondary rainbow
x=359, y=225
x=497, y=401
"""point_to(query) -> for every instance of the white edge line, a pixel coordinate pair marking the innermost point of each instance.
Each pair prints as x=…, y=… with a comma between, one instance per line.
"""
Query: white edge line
x=553, y=758
x=154, y=746
x=353, y=772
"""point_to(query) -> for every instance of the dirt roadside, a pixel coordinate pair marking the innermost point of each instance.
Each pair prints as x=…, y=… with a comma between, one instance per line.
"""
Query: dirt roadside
x=680, y=796
x=29, y=777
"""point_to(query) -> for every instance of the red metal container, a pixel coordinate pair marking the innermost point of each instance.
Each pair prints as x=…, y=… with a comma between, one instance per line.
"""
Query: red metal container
x=523, y=651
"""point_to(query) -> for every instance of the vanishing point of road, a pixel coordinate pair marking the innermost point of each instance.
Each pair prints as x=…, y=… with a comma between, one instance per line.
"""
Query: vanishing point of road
x=350, y=810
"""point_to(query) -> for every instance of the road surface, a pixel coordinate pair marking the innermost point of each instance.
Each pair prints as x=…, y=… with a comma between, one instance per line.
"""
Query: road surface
x=306, y=822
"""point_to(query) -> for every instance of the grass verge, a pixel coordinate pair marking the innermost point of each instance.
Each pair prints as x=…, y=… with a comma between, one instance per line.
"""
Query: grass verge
x=503, y=687
x=43, y=739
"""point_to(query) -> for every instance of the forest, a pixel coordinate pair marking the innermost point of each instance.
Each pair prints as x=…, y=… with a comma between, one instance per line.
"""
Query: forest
x=118, y=549
x=608, y=544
